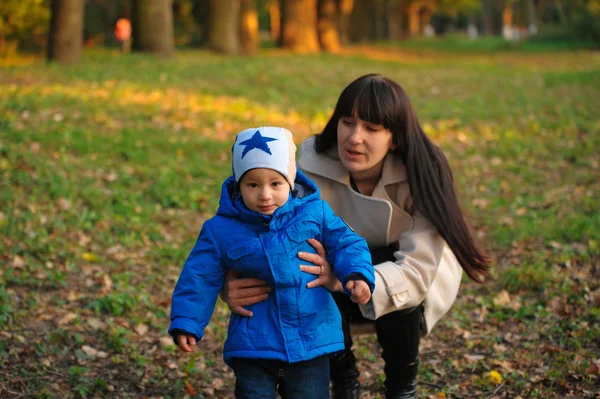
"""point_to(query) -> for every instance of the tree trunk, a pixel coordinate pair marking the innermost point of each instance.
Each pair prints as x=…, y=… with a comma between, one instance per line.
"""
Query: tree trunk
x=275, y=20
x=154, y=27
x=299, y=25
x=488, y=11
x=329, y=36
x=359, y=21
x=249, y=39
x=65, y=40
x=110, y=17
x=379, y=20
x=532, y=17
x=345, y=8
x=395, y=26
x=224, y=26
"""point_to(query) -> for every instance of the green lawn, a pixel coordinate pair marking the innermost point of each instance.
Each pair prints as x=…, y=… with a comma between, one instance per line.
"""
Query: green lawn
x=109, y=168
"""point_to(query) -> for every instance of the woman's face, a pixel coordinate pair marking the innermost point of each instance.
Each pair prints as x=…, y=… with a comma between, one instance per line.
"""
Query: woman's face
x=362, y=146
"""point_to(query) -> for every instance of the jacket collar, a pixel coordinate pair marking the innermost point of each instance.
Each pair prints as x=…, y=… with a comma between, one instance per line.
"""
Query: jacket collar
x=328, y=165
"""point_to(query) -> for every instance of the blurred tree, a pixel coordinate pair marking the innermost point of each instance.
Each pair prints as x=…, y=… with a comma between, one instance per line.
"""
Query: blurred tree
x=299, y=25
x=224, y=26
x=249, y=27
x=152, y=22
x=328, y=25
x=66, y=31
x=187, y=27
x=379, y=21
x=395, y=11
x=22, y=19
x=532, y=16
x=274, y=9
x=359, y=21
x=454, y=7
x=456, y=14
x=491, y=16
x=345, y=8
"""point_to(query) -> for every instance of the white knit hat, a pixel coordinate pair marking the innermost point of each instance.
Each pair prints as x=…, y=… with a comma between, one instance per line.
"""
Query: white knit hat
x=265, y=147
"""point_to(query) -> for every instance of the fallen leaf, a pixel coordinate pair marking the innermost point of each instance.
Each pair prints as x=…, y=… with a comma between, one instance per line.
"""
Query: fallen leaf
x=83, y=239
x=88, y=350
x=63, y=204
x=502, y=299
x=218, y=383
x=499, y=348
x=506, y=221
x=106, y=284
x=66, y=319
x=111, y=177
x=473, y=358
x=593, y=369
x=172, y=365
x=141, y=329
x=190, y=389
x=495, y=377
x=506, y=365
x=480, y=203
x=18, y=262
x=90, y=257
x=166, y=341
x=95, y=323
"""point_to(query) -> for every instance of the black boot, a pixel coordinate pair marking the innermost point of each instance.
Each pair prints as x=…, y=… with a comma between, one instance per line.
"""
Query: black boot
x=342, y=365
x=399, y=334
x=344, y=375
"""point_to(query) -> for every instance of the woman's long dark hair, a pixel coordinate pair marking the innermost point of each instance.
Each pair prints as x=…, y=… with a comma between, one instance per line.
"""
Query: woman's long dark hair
x=382, y=101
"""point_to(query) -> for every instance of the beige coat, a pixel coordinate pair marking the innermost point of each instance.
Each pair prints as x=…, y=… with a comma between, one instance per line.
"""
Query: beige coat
x=425, y=268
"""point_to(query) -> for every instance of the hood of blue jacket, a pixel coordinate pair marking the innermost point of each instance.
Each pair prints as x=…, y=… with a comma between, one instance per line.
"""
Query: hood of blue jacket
x=232, y=205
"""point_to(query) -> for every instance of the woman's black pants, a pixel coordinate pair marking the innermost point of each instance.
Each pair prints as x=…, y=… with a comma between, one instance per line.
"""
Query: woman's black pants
x=398, y=333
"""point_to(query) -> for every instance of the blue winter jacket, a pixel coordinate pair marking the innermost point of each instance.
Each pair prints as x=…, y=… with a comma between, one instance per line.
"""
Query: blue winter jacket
x=295, y=323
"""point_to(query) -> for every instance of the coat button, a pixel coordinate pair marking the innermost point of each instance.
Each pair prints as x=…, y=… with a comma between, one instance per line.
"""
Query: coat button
x=401, y=297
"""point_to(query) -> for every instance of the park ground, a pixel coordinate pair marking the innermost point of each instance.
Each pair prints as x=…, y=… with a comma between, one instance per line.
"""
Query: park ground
x=109, y=168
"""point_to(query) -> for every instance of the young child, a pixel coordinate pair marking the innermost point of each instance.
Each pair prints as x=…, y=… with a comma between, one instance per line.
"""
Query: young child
x=267, y=212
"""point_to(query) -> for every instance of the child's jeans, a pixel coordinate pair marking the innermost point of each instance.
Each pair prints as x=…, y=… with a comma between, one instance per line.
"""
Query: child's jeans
x=259, y=378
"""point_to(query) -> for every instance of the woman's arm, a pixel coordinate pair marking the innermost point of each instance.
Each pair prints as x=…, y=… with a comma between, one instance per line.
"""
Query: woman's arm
x=240, y=292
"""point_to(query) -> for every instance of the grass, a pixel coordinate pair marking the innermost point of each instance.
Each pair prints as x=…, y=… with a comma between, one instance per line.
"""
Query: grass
x=458, y=43
x=109, y=168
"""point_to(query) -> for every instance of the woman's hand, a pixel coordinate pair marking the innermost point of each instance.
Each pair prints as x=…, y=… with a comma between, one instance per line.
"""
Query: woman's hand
x=243, y=292
x=319, y=267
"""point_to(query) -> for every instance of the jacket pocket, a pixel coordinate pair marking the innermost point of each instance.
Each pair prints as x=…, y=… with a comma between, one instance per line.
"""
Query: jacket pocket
x=299, y=232
x=247, y=258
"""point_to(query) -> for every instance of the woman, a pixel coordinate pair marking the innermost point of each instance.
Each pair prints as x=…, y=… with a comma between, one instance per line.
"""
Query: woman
x=393, y=186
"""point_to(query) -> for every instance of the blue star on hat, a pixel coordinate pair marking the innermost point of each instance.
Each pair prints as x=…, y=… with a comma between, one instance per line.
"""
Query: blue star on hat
x=257, y=141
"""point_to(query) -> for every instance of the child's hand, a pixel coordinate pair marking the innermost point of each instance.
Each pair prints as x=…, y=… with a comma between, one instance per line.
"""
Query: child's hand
x=361, y=293
x=186, y=342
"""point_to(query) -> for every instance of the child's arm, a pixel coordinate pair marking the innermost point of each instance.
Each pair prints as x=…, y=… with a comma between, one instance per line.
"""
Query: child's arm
x=198, y=287
x=347, y=252
x=360, y=292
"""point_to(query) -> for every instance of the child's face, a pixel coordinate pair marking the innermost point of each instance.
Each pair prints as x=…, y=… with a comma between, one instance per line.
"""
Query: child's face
x=264, y=190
